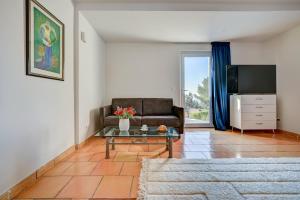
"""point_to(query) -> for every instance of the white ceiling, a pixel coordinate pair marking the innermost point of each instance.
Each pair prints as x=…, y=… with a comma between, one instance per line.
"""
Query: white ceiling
x=189, y=1
x=189, y=5
x=190, y=26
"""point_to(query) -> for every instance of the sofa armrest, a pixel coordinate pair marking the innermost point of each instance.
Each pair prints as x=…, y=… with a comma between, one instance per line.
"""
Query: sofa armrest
x=104, y=112
x=179, y=112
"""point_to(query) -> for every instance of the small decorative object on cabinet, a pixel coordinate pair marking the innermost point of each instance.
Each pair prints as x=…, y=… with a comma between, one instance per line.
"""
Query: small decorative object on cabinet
x=144, y=127
x=253, y=112
x=162, y=128
x=124, y=115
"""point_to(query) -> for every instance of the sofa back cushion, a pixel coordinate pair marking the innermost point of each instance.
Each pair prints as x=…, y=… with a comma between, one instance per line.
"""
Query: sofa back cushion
x=136, y=103
x=157, y=106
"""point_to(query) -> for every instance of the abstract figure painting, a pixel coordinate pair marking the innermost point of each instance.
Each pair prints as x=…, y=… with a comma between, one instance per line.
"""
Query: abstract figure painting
x=45, y=43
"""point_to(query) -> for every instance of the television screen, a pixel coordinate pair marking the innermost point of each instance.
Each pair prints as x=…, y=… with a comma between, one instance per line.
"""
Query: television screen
x=256, y=79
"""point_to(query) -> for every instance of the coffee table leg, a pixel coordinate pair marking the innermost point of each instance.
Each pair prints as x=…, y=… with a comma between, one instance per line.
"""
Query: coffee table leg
x=107, y=148
x=170, y=146
x=113, y=143
x=167, y=143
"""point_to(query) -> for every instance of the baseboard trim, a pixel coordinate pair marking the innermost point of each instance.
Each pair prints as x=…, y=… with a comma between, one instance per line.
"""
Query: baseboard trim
x=25, y=183
x=297, y=135
x=85, y=142
x=34, y=177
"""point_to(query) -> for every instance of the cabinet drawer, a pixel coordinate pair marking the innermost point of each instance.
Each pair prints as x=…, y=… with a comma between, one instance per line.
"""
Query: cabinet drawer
x=259, y=108
x=259, y=116
x=259, y=124
x=258, y=99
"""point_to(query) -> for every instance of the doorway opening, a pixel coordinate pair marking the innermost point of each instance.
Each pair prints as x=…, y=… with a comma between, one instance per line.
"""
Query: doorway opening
x=196, y=95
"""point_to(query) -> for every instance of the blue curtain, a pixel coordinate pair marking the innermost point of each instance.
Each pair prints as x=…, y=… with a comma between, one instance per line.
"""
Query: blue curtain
x=220, y=59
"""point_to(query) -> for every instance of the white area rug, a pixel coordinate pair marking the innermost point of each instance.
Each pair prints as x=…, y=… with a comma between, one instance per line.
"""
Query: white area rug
x=220, y=179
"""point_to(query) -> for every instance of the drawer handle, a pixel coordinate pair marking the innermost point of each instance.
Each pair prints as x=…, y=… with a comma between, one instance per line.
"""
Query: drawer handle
x=259, y=107
x=259, y=99
x=259, y=115
x=259, y=123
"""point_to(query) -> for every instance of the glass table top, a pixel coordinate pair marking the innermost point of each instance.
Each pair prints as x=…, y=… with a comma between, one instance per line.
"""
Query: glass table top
x=135, y=131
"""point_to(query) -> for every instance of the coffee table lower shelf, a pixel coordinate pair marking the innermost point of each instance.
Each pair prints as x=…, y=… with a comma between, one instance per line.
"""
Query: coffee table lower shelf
x=111, y=141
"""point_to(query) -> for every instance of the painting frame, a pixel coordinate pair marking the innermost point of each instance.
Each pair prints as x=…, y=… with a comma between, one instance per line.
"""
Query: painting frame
x=50, y=62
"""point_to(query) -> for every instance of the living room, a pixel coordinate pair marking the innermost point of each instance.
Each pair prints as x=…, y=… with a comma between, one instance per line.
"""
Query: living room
x=138, y=52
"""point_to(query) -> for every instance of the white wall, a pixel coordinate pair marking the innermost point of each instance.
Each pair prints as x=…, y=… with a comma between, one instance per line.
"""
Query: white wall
x=146, y=69
x=36, y=114
x=248, y=53
x=153, y=69
x=284, y=51
x=91, y=77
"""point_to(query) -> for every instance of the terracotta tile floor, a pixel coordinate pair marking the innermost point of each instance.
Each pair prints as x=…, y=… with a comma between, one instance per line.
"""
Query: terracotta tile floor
x=87, y=174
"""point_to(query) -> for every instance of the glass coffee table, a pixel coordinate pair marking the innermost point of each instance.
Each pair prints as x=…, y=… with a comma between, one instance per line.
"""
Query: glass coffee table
x=138, y=137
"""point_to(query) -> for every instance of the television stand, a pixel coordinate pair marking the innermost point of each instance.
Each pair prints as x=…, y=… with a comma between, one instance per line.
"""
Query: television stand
x=253, y=112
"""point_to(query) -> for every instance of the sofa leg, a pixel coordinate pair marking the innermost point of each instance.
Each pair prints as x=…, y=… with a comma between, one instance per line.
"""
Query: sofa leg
x=181, y=130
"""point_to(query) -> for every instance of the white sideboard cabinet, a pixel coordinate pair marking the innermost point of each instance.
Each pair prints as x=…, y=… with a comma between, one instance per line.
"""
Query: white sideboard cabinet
x=253, y=112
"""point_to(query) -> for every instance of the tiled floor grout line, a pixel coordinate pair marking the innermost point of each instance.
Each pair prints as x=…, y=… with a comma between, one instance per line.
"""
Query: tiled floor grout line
x=68, y=168
x=90, y=174
x=45, y=174
x=131, y=187
x=63, y=187
x=121, y=169
x=102, y=177
x=92, y=156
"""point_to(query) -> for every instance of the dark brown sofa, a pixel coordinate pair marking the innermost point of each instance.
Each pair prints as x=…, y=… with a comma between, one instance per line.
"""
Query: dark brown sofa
x=150, y=111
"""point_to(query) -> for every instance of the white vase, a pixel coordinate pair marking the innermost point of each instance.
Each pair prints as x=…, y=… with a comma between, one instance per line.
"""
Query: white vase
x=124, y=124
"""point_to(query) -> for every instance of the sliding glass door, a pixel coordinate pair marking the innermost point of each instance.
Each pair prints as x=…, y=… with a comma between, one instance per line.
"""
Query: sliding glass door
x=195, y=81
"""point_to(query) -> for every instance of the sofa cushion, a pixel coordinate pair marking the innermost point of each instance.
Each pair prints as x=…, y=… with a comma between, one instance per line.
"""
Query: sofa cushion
x=114, y=121
x=136, y=103
x=168, y=120
x=157, y=106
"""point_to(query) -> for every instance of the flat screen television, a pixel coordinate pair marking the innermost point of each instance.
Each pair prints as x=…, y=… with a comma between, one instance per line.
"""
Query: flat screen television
x=251, y=79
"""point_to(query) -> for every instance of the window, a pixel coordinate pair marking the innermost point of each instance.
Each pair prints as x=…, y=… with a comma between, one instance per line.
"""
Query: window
x=195, y=81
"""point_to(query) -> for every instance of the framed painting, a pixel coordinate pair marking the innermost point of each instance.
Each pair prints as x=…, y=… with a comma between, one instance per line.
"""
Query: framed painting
x=44, y=42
